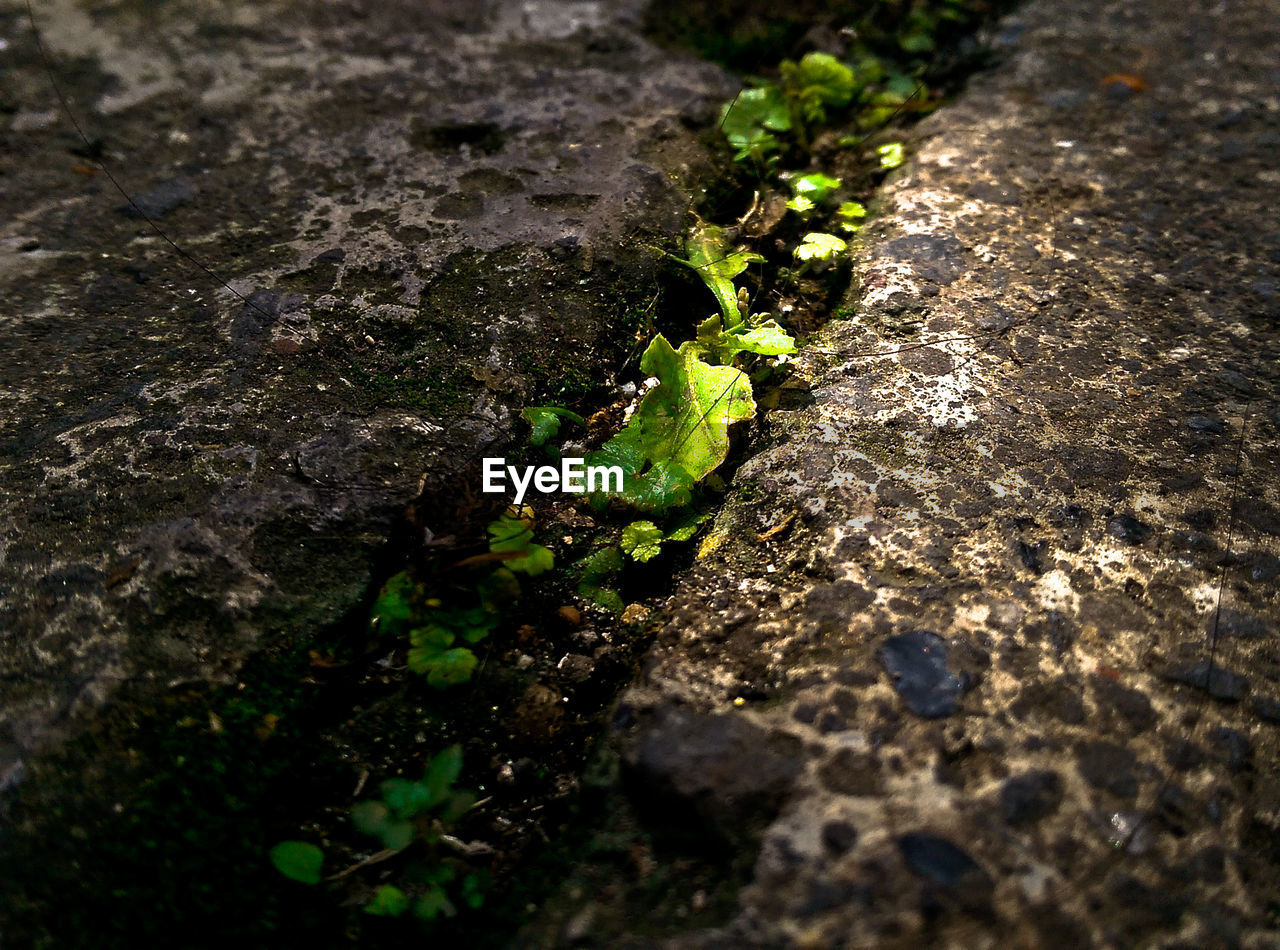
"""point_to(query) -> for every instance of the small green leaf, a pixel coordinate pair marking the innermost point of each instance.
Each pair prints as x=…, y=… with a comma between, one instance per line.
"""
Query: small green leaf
x=498, y=590
x=765, y=339
x=387, y=901
x=687, y=527
x=751, y=117
x=510, y=535
x=642, y=540
x=473, y=887
x=442, y=771
x=439, y=874
x=370, y=817
x=818, y=246
x=393, y=607
x=718, y=264
x=604, y=597
x=546, y=421
x=816, y=186
x=891, y=155
x=396, y=835
x=851, y=214
x=817, y=82
x=402, y=796
x=916, y=43
x=455, y=806
x=432, y=904
x=599, y=565
x=298, y=860
x=443, y=667
x=433, y=636
x=800, y=204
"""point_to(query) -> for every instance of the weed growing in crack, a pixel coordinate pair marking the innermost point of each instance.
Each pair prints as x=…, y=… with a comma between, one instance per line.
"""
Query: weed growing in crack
x=407, y=813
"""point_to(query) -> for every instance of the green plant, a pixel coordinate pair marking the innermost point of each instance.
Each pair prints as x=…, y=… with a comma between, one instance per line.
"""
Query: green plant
x=596, y=576
x=546, y=420
x=851, y=214
x=809, y=191
x=820, y=247
x=411, y=809
x=891, y=155
x=441, y=634
x=751, y=120
x=408, y=812
x=643, y=540
x=298, y=860
x=815, y=84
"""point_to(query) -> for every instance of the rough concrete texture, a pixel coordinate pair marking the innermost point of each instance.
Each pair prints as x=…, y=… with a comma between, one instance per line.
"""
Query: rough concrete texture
x=952, y=633
x=438, y=210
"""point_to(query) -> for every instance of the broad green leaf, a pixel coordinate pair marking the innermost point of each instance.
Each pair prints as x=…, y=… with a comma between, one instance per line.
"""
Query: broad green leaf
x=685, y=419
x=642, y=540
x=820, y=247
x=546, y=421
x=748, y=120
x=626, y=450
x=766, y=339
x=801, y=204
x=387, y=901
x=298, y=860
x=664, y=485
x=717, y=264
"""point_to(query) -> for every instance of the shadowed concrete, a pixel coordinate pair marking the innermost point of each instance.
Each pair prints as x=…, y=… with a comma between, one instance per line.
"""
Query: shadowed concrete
x=437, y=210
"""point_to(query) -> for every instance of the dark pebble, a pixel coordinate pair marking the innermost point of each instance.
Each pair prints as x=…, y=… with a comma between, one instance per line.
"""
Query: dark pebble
x=1232, y=746
x=1107, y=766
x=940, y=862
x=1129, y=529
x=162, y=199
x=839, y=836
x=917, y=662
x=1235, y=623
x=1218, y=683
x=1267, y=708
x=1030, y=797
x=1206, y=424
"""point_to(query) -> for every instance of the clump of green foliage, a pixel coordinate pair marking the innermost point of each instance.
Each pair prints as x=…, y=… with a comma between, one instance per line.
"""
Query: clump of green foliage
x=442, y=633
x=408, y=812
x=679, y=433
